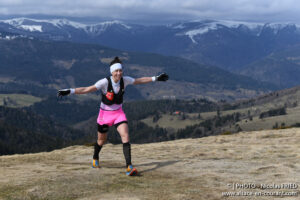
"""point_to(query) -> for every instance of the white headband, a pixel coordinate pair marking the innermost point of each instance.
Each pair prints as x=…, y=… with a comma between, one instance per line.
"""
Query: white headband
x=115, y=67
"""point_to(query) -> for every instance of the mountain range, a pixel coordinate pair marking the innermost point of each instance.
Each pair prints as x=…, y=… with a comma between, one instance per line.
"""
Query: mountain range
x=197, y=40
x=39, y=67
x=281, y=67
x=231, y=45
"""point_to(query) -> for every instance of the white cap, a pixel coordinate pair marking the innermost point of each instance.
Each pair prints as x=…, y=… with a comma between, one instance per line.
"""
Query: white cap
x=115, y=67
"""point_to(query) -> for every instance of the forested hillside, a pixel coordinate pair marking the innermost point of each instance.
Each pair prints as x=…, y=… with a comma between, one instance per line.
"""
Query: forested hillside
x=22, y=131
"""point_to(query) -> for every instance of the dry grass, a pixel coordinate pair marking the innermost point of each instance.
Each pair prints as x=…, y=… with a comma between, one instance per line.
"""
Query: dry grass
x=109, y=59
x=6, y=79
x=171, y=121
x=182, y=169
x=65, y=64
x=292, y=117
x=141, y=71
x=175, y=122
x=186, y=90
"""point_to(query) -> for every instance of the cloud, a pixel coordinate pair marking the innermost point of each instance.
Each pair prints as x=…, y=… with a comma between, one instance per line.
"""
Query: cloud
x=160, y=10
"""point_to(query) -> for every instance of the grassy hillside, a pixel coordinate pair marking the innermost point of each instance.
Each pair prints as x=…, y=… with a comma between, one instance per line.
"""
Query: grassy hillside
x=248, y=115
x=202, y=168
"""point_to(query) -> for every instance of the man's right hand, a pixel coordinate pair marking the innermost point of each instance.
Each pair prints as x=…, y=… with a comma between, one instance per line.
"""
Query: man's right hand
x=63, y=92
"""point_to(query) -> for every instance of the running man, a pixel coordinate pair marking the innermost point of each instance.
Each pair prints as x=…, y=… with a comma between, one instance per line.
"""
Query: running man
x=111, y=112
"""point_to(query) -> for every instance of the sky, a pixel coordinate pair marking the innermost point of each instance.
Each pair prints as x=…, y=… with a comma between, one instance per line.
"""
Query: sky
x=159, y=11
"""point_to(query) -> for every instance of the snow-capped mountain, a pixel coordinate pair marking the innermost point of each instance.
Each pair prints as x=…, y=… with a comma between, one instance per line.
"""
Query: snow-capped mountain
x=190, y=29
x=196, y=28
x=227, y=44
x=34, y=25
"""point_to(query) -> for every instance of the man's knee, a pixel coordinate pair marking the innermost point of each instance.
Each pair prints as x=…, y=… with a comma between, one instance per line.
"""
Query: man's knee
x=101, y=141
x=103, y=128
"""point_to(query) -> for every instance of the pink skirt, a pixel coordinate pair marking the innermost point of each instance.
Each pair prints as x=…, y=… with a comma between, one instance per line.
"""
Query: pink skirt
x=111, y=117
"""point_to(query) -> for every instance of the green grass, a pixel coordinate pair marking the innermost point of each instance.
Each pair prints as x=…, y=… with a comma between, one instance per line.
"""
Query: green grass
x=18, y=100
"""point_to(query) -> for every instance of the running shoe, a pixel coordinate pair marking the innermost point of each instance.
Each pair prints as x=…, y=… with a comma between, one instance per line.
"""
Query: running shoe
x=131, y=171
x=95, y=163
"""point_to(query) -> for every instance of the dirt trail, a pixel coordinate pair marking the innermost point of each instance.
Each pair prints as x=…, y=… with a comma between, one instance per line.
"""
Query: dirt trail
x=182, y=169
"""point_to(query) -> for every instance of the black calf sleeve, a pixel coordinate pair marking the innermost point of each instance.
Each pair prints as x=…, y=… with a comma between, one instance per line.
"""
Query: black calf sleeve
x=97, y=149
x=127, y=153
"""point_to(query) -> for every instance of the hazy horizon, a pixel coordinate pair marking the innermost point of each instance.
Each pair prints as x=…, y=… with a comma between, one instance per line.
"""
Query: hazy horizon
x=158, y=12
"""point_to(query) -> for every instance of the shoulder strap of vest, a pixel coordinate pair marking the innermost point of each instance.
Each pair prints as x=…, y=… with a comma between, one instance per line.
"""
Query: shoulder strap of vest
x=122, y=84
x=109, y=86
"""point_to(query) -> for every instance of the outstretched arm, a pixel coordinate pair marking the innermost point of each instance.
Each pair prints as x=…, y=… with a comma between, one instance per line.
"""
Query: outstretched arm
x=84, y=90
x=142, y=80
x=81, y=90
x=161, y=77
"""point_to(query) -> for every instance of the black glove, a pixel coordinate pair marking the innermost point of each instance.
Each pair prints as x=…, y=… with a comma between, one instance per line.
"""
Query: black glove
x=162, y=77
x=63, y=92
